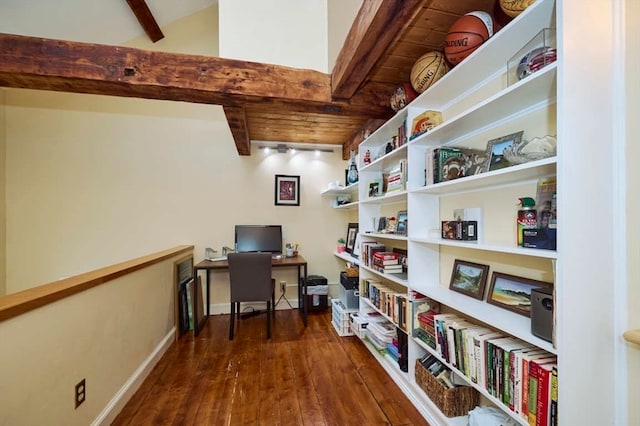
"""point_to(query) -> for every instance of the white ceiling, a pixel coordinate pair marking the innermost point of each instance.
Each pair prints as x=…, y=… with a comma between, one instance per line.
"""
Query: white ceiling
x=93, y=21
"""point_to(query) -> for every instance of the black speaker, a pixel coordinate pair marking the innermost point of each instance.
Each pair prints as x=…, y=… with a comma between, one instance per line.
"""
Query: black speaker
x=542, y=313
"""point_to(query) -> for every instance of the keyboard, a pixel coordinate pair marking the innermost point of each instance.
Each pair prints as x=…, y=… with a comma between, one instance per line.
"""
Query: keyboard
x=217, y=259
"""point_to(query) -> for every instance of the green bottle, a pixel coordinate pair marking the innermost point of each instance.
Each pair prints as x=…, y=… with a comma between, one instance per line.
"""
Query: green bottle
x=527, y=217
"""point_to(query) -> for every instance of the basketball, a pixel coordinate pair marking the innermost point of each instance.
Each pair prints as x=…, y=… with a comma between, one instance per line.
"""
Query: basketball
x=466, y=35
x=514, y=8
x=428, y=69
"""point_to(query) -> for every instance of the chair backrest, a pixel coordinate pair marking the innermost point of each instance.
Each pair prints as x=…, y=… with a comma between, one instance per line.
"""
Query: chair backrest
x=250, y=276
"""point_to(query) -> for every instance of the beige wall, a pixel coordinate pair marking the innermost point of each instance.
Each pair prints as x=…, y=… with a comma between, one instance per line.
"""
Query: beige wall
x=341, y=14
x=632, y=16
x=93, y=180
x=3, y=269
x=284, y=32
x=196, y=34
x=105, y=335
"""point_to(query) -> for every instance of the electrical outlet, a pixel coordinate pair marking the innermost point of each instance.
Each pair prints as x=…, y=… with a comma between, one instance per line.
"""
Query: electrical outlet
x=81, y=392
x=283, y=286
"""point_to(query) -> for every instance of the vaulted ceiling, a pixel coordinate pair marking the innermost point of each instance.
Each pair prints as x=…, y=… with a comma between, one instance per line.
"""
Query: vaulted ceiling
x=261, y=101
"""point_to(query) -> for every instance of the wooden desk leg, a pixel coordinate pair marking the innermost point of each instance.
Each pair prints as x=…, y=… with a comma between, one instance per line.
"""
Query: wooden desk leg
x=303, y=290
x=208, y=287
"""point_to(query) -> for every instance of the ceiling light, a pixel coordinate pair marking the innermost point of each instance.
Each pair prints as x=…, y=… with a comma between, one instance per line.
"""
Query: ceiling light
x=284, y=148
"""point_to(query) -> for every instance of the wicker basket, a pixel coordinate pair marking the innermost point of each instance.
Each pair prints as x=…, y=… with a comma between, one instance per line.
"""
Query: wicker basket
x=352, y=272
x=453, y=402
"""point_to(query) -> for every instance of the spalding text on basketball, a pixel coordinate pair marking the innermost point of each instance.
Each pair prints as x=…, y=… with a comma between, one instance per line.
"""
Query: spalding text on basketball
x=426, y=77
x=457, y=43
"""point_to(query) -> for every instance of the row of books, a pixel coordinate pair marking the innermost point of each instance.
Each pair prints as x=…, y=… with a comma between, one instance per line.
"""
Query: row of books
x=393, y=304
x=515, y=372
x=445, y=163
x=396, y=179
x=390, y=181
x=424, y=329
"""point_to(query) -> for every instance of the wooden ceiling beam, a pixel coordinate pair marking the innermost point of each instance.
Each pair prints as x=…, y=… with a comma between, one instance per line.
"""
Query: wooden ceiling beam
x=237, y=119
x=46, y=64
x=146, y=19
x=377, y=25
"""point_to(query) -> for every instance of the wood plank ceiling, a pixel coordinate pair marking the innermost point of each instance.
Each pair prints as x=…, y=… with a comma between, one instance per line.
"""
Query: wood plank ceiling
x=261, y=101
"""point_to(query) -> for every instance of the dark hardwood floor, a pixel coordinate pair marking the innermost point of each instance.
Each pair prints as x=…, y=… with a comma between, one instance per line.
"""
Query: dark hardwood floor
x=301, y=376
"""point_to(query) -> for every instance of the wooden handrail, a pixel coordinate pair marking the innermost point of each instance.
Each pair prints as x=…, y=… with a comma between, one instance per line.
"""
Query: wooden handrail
x=632, y=336
x=18, y=303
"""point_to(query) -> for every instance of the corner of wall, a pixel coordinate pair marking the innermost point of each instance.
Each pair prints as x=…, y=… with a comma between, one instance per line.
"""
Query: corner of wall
x=3, y=220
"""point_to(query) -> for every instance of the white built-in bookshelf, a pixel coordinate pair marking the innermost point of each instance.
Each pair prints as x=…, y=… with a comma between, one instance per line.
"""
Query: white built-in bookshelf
x=477, y=104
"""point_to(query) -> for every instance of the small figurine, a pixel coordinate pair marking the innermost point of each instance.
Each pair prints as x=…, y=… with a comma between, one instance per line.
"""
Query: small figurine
x=367, y=157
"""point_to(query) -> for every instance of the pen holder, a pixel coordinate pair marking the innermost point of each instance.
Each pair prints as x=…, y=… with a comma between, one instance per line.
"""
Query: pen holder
x=289, y=252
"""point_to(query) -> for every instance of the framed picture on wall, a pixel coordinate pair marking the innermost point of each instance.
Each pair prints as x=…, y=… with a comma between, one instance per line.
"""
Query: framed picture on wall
x=287, y=191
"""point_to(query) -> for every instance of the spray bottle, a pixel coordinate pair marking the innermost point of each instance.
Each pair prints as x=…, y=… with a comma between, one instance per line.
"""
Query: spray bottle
x=527, y=217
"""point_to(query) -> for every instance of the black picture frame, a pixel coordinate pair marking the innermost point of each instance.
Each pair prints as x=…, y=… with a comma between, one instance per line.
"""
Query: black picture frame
x=352, y=233
x=513, y=293
x=469, y=278
x=287, y=190
x=402, y=222
x=495, y=149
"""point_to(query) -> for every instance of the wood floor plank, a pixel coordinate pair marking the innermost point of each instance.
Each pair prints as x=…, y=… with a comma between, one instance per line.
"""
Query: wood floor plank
x=301, y=376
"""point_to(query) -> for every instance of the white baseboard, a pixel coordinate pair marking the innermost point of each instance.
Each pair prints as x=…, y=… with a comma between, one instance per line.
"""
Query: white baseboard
x=125, y=393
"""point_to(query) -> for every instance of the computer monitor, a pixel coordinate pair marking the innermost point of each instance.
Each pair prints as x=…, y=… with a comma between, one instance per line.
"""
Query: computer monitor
x=258, y=238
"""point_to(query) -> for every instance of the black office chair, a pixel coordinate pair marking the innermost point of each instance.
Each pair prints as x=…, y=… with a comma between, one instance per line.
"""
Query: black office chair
x=250, y=277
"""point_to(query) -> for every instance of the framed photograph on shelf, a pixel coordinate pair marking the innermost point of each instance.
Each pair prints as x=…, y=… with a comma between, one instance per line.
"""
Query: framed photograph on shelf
x=287, y=191
x=469, y=278
x=495, y=150
x=352, y=232
x=401, y=222
x=513, y=293
x=375, y=188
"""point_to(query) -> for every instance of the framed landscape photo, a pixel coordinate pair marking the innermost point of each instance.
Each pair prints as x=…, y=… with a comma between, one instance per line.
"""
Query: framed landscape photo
x=495, y=150
x=469, y=278
x=513, y=293
x=287, y=191
x=352, y=232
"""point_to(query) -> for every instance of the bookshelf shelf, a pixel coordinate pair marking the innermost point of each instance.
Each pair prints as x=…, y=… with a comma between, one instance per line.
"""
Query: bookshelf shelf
x=389, y=198
x=349, y=189
x=387, y=236
x=395, y=278
x=346, y=257
x=488, y=246
x=516, y=100
x=528, y=172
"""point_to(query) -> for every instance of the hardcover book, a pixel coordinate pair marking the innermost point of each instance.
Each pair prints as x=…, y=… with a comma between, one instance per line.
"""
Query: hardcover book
x=539, y=382
x=450, y=163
